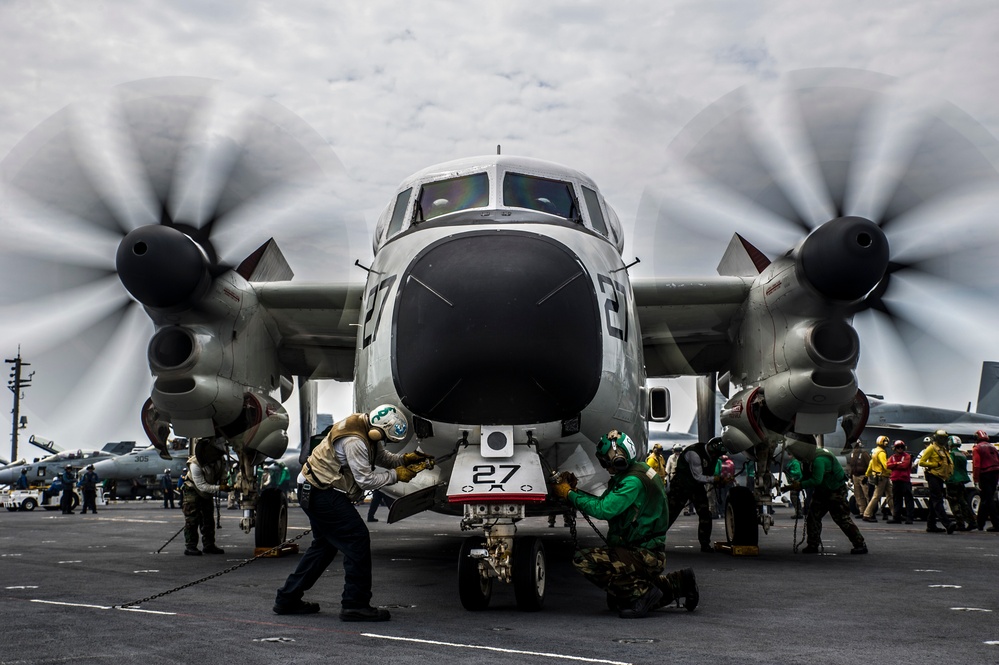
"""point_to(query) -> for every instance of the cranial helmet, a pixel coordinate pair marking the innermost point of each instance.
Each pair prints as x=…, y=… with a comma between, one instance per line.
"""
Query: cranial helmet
x=715, y=447
x=388, y=421
x=209, y=451
x=883, y=441
x=980, y=435
x=941, y=437
x=616, y=450
x=955, y=442
x=899, y=444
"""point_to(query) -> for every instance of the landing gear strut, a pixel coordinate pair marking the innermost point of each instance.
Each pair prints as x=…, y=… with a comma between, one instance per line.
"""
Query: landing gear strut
x=500, y=556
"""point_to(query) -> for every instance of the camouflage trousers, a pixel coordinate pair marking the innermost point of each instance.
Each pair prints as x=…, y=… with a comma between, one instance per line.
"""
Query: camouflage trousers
x=832, y=502
x=625, y=573
x=199, y=513
x=959, y=506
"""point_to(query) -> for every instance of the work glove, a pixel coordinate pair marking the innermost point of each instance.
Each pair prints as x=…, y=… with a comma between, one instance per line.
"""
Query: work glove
x=224, y=487
x=404, y=474
x=569, y=477
x=416, y=457
x=562, y=489
x=407, y=472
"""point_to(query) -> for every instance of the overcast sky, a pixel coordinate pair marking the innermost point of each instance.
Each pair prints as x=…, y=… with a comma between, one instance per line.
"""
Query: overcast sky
x=394, y=87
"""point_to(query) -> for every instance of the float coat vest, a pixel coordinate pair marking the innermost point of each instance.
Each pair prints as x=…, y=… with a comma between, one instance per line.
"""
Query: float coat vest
x=323, y=469
x=683, y=475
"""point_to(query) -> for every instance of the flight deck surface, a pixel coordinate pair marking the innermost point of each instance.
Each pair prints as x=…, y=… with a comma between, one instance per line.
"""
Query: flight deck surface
x=916, y=598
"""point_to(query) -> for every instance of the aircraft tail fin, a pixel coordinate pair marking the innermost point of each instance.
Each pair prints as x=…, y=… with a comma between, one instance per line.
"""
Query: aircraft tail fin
x=742, y=259
x=266, y=264
x=988, y=389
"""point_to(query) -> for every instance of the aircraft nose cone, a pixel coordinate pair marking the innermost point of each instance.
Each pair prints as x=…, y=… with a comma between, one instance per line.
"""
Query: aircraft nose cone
x=497, y=328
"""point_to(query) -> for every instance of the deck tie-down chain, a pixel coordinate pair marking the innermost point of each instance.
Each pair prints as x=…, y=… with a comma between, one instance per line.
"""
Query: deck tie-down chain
x=242, y=563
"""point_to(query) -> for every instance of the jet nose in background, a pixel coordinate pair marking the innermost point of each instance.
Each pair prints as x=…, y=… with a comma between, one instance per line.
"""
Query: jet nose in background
x=108, y=469
x=497, y=328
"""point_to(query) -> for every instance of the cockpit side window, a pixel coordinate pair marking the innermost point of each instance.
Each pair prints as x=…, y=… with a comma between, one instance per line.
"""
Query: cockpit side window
x=446, y=196
x=398, y=213
x=552, y=196
x=593, y=207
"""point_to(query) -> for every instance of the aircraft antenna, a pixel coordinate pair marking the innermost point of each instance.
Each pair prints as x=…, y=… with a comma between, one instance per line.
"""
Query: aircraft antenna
x=498, y=149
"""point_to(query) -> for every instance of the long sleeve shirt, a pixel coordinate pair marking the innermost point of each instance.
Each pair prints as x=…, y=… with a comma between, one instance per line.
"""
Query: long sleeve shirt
x=937, y=462
x=879, y=463
x=985, y=457
x=901, y=466
x=827, y=473
x=352, y=452
x=694, y=460
x=206, y=479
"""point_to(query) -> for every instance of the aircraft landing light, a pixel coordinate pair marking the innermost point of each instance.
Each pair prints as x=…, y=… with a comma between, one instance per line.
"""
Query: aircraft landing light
x=499, y=649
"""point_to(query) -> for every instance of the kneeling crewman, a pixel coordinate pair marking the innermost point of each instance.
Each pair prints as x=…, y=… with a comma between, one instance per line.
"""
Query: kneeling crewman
x=630, y=568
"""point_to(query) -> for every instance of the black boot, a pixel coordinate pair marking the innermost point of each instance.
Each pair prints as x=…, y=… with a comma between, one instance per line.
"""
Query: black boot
x=640, y=608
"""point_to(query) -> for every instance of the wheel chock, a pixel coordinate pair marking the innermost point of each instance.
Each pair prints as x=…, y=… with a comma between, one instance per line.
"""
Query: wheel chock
x=274, y=552
x=737, y=550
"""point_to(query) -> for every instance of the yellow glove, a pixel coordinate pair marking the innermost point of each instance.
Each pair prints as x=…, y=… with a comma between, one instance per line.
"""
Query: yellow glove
x=570, y=477
x=415, y=457
x=404, y=474
x=562, y=489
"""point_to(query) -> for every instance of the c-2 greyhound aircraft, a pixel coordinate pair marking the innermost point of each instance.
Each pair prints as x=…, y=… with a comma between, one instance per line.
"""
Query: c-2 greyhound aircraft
x=498, y=313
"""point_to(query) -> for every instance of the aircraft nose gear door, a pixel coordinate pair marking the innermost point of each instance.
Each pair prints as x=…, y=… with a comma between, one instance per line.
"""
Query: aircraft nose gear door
x=495, y=493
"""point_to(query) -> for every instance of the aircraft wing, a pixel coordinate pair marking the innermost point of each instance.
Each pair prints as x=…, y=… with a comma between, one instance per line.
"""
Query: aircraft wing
x=316, y=326
x=910, y=431
x=686, y=324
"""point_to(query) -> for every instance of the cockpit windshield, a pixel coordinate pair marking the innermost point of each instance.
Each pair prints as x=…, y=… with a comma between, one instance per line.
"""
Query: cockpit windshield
x=446, y=196
x=552, y=196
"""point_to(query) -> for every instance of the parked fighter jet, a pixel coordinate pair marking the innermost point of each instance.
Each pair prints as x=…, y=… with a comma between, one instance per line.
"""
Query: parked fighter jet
x=912, y=422
x=145, y=463
x=43, y=471
x=498, y=311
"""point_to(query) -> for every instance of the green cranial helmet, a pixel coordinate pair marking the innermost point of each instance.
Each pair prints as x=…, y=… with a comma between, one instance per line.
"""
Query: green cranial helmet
x=955, y=441
x=617, y=449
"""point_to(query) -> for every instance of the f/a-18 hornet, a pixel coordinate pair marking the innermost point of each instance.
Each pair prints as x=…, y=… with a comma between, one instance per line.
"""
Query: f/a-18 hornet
x=497, y=311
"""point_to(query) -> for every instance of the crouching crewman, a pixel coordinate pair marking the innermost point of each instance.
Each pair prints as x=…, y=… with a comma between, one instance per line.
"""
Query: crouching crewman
x=336, y=475
x=634, y=504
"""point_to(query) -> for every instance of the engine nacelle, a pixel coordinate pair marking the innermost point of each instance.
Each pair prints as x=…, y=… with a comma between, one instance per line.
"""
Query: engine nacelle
x=260, y=431
x=795, y=341
x=205, y=358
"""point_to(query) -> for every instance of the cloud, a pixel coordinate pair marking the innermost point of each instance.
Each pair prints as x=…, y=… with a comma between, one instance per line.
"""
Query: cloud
x=393, y=86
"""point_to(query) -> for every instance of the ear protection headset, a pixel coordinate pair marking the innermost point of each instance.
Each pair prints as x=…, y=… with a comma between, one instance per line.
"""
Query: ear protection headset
x=616, y=458
x=374, y=433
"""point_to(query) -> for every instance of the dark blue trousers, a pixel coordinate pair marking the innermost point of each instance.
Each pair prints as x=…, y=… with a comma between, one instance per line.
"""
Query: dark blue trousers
x=336, y=527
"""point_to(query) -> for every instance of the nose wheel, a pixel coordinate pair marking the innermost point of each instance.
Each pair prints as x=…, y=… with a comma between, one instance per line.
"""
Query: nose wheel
x=529, y=573
x=481, y=561
x=475, y=587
